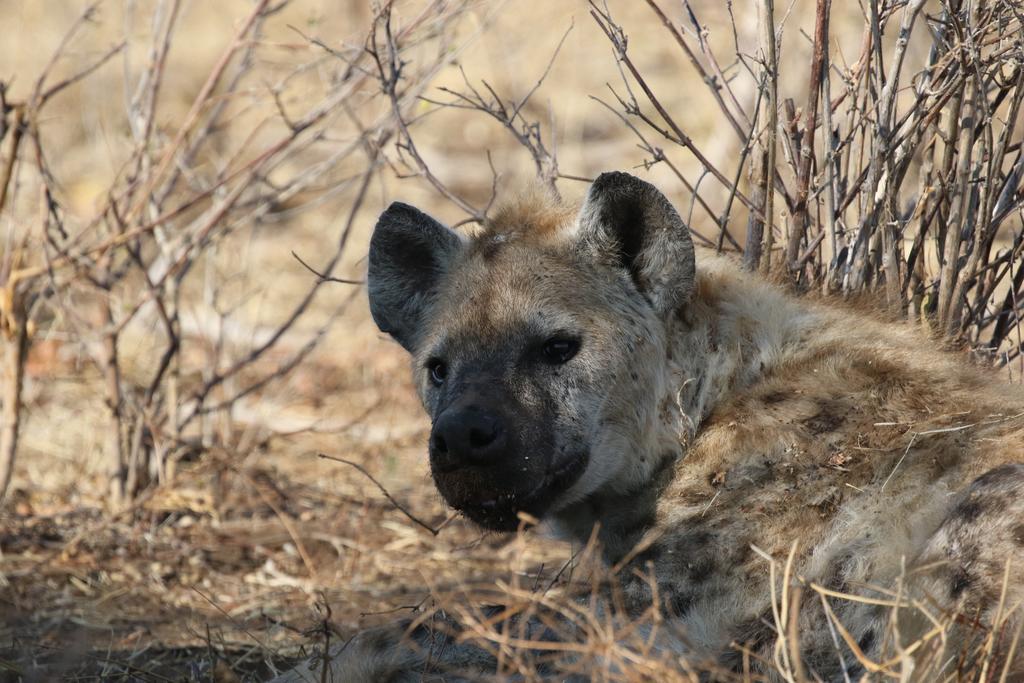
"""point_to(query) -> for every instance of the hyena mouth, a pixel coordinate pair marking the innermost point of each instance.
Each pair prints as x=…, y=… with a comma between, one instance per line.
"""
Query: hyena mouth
x=501, y=513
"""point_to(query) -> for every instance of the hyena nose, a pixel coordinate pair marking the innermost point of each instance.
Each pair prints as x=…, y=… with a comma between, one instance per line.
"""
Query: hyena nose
x=464, y=437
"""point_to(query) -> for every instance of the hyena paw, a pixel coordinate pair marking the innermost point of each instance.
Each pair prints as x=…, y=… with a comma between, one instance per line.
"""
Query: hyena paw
x=377, y=655
x=394, y=654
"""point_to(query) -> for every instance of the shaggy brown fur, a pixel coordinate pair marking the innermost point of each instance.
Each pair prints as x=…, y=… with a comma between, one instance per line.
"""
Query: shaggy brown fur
x=708, y=418
x=534, y=216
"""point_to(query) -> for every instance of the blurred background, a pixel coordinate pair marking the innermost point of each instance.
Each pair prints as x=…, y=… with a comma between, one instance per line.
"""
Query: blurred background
x=178, y=178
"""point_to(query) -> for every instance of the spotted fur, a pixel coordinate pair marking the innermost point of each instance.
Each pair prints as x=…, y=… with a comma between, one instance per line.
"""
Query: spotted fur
x=715, y=414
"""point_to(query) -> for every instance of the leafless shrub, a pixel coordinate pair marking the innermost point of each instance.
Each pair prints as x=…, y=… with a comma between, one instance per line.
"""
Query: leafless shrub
x=181, y=197
x=898, y=177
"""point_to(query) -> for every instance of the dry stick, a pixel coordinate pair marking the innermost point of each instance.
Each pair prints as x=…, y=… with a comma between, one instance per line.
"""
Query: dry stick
x=927, y=202
x=37, y=97
x=507, y=114
x=199, y=237
x=949, y=134
x=950, y=269
x=709, y=55
x=977, y=212
x=219, y=377
x=389, y=71
x=768, y=30
x=755, y=224
x=150, y=81
x=247, y=172
x=13, y=326
x=1019, y=350
x=17, y=131
x=1007, y=312
x=66, y=259
x=862, y=95
x=538, y=150
x=986, y=216
x=109, y=365
x=241, y=626
x=723, y=221
x=994, y=272
x=659, y=157
x=884, y=132
x=201, y=134
x=401, y=508
x=197, y=106
x=171, y=328
x=326, y=278
x=614, y=33
x=903, y=146
x=830, y=170
x=878, y=147
x=75, y=78
x=838, y=163
x=253, y=168
x=800, y=217
x=285, y=366
x=708, y=79
x=793, y=635
x=790, y=141
x=168, y=321
x=11, y=374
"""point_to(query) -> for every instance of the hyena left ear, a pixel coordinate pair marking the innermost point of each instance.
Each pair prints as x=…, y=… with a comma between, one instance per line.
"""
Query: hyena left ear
x=627, y=221
x=410, y=253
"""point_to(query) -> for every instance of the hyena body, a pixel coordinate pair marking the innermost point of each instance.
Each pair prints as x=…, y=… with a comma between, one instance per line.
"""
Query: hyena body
x=593, y=370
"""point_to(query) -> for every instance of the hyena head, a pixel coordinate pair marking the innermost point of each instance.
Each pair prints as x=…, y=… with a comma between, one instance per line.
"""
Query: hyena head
x=539, y=346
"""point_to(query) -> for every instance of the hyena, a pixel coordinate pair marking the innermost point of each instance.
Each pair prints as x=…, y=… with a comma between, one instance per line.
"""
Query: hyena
x=592, y=368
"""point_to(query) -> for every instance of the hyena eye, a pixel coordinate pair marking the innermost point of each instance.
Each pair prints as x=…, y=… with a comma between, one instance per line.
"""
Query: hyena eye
x=559, y=350
x=438, y=371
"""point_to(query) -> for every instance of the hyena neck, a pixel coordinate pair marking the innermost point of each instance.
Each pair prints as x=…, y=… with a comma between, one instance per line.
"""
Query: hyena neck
x=617, y=519
x=734, y=332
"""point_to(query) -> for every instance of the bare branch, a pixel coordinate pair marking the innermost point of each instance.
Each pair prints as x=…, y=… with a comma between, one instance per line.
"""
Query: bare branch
x=401, y=508
x=326, y=278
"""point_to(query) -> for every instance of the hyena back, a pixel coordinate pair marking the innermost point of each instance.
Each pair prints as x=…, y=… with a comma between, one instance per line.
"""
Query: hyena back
x=591, y=369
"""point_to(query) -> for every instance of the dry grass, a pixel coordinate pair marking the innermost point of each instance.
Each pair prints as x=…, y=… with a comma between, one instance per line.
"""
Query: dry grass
x=179, y=371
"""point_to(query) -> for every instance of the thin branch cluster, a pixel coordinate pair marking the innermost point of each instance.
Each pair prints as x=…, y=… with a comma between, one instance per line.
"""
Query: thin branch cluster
x=898, y=177
x=247, y=154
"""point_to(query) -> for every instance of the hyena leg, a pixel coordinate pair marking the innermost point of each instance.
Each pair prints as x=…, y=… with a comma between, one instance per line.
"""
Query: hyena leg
x=429, y=651
x=438, y=649
x=969, y=554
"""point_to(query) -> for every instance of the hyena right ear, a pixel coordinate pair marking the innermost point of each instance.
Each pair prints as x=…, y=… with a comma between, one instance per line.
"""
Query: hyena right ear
x=627, y=222
x=410, y=253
